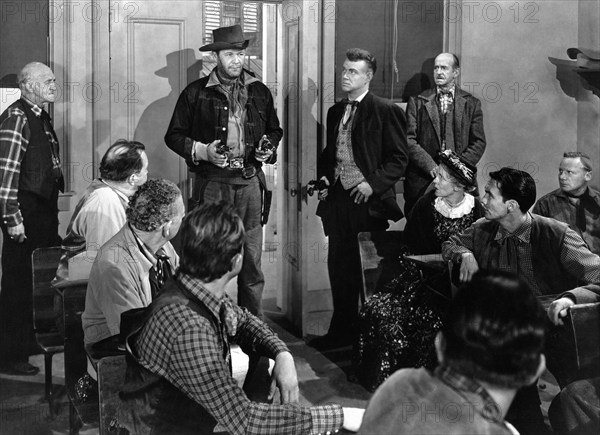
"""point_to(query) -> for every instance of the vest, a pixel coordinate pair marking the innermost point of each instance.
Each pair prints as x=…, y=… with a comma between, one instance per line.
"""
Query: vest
x=150, y=403
x=547, y=236
x=36, y=174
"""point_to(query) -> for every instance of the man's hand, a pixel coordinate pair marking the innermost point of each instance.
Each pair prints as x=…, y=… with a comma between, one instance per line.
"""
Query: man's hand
x=214, y=157
x=323, y=192
x=284, y=377
x=263, y=153
x=559, y=309
x=468, y=267
x=362, y=192
x=17, y=233
x=352, y=418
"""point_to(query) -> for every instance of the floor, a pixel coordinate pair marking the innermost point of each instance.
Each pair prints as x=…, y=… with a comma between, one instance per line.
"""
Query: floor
x=322, y=378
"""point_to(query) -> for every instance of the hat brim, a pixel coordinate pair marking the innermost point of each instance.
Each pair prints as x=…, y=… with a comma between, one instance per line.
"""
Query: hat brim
x=441, y=159
x=217, y=46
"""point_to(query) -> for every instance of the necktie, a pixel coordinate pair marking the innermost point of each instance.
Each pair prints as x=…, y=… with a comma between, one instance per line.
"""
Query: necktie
x=349, y=110
x=445, y=99
x=159, y=274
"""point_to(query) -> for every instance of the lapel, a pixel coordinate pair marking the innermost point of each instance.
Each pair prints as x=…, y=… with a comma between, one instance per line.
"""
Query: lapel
x=434, y=115
x=459, y=108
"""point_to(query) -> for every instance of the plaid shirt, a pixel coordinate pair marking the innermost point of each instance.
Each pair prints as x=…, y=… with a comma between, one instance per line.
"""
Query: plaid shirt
x=14, y=139
x=187, y=351
x=574, y=255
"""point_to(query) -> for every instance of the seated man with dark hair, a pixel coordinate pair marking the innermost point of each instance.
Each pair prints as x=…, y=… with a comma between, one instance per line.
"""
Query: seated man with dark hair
x=132, y=266
x=100, y=213
x=490, y=346
x=548, y=255
x=186, y=339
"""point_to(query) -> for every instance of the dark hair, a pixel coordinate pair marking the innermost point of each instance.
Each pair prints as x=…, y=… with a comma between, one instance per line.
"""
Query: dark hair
x=517, y=185
x=121, y=160
x=586, y=162
x=494, y=330
x=356, y=54
x=212, y=234
x=153, y=204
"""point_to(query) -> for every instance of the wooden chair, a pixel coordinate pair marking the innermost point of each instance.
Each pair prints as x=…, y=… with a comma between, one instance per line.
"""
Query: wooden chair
x=111, y=377
x=379, y=251
x=574, y=349
x=44, y=262
x=73, y=302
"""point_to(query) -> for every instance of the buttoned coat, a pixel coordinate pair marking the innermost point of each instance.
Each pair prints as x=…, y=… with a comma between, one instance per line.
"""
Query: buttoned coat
x=379, y=148
x=424, y=142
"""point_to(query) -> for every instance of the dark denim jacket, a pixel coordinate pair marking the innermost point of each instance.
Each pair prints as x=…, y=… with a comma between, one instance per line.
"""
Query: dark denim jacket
x=202, y=114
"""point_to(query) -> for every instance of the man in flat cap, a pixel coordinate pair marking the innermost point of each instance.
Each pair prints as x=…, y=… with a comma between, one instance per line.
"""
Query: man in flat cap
x=225, y=127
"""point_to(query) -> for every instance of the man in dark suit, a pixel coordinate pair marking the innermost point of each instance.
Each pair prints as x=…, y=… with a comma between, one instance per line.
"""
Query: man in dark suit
x=366, y=154
x=445, y=117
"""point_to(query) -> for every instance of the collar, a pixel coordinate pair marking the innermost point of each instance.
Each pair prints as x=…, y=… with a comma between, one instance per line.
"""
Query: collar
x=37, y=110
x=196, y=287
x=144, y=251
x=245, y=78
x=117, y=191
x=523, y=233
x=460, y=210
x=451, y=90
x=588, y=192
x=361, y=96
x=488, y=408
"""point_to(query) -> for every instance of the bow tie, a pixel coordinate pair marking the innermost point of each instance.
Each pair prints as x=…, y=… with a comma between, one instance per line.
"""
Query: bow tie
x=353, y=103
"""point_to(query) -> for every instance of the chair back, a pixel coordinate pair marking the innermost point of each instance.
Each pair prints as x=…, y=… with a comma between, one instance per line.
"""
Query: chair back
x=44, y=262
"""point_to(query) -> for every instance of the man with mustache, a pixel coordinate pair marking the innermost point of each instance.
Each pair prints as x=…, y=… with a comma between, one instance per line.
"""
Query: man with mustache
x=30, y=179
x=225, y=127
x=444, y=117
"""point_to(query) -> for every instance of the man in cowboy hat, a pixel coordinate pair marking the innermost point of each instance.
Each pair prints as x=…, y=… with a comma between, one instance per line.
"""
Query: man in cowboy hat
x=225, y=127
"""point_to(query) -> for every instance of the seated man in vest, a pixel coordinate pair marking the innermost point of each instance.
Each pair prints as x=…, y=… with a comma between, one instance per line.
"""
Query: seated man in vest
x=186, y=342
x=132, y=266
x=575, y=202
x=490, y=346
x=100, y=212
x=549, y=256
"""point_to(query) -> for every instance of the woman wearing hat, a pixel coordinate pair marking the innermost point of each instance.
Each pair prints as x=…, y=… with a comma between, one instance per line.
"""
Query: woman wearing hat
x=399, y=323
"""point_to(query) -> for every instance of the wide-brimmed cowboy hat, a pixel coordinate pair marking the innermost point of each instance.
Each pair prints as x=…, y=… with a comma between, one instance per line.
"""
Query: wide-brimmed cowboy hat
x=227, y=38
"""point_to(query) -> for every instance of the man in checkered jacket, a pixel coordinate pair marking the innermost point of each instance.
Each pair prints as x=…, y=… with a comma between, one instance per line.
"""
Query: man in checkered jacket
x=186, y=343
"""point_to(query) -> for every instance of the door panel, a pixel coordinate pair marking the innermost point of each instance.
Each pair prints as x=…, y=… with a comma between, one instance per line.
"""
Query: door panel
x=153, y=56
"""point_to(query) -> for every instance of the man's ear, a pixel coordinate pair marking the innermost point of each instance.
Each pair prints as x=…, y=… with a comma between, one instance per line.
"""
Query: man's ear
x=540, y=369
x=588, y=176
x=512, y=205
x=166, y=229
x=440, y=346
x=236, y=261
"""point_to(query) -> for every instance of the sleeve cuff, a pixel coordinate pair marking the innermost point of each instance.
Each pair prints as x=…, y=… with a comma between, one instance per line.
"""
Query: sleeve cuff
x=12, y=220
x=199, y=152
x=326, y=419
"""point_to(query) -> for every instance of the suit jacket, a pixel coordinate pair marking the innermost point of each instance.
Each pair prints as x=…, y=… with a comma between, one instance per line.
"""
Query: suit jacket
x=424, y=137
x=380, y=152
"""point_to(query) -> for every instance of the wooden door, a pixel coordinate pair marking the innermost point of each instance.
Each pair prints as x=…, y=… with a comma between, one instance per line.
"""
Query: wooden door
x=153, y=48
x=307, y=296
